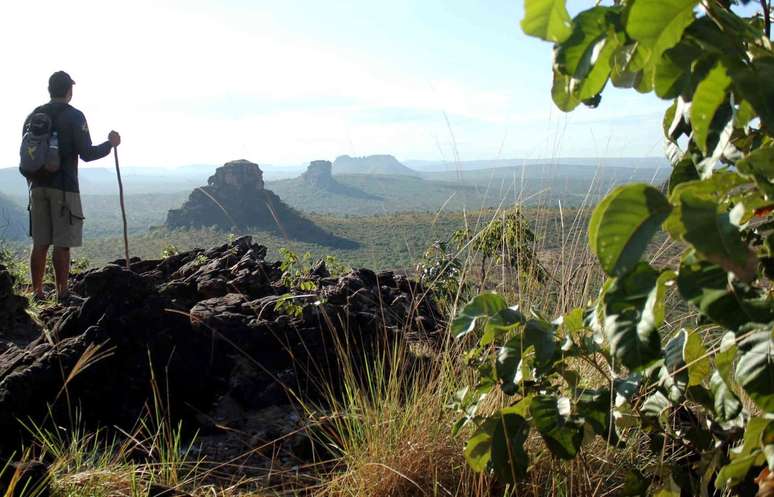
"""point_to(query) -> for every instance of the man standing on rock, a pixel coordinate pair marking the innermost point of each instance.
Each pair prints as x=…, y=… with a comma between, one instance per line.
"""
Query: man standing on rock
x=56, y=216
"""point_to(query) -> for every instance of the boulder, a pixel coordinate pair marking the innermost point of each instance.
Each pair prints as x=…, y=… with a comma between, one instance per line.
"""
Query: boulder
x=18, y=328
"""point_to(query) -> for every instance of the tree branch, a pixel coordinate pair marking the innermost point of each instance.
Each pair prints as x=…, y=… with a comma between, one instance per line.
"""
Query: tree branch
x=766, y=18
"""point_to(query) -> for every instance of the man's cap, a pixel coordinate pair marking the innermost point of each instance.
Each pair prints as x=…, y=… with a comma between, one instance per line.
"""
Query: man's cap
x=60, y=82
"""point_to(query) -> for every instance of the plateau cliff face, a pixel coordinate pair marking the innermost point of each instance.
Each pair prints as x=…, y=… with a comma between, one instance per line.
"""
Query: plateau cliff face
x=235, y=199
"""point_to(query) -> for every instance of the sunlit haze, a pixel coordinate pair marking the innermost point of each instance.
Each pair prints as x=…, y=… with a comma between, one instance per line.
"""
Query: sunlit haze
x=197, y=82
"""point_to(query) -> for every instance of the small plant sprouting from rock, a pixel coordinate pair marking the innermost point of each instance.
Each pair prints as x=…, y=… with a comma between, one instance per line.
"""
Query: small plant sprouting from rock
x=169, y=251
x=298, y=275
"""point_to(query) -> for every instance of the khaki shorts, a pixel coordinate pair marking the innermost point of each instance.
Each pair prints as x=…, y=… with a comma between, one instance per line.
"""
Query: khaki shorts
x=56, y=217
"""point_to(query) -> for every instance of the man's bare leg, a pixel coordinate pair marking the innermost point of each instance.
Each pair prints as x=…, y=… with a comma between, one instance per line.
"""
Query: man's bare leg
x=38, y=268
x=61, y=258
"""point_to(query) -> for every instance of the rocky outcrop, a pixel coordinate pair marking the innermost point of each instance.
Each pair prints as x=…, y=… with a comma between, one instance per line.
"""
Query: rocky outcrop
x=240, y=175
x=217, y=333
x=17, y=329
x=235, y=200
x=319, y=174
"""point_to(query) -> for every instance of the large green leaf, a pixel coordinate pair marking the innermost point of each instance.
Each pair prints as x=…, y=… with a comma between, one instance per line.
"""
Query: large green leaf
x=507, y=363
x=478, y=451
x=596, y=406
x=703, y=222
x=563, y=93
x=755, y=369
x=485, y=305
x=732, y=305
x=707, y=98
x=537, y=335
x=753, y=82
x=759, y=165
x=586, y=47
x=509, y=458
x=682, y=172
x=623, y=224
x=634, y=309
x=500, y=323
x=724, y=358
x=623, y=72
x=727, y=404
x=745, y=457
x=655, y=410
x=547, y=19
x=696, y=359
x=659, y=24
x=670, y=77
x=562, y=434
x=686, y=360
x=595, y=81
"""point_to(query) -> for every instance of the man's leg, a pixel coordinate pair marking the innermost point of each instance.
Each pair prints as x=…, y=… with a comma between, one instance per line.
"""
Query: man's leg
x=38, y=268
x=61, y=257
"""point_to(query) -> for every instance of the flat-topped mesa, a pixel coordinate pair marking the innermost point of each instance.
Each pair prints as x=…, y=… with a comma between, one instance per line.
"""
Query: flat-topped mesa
x=241, y=174
x=319, y=173
x=235, y=199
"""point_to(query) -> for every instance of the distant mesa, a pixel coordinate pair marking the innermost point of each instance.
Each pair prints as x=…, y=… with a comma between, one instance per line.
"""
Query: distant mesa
x=372, y=164
x=319, y=176
x=235, y=199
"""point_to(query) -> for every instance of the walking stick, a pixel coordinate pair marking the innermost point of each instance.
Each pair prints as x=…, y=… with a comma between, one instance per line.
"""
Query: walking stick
x=123, y=209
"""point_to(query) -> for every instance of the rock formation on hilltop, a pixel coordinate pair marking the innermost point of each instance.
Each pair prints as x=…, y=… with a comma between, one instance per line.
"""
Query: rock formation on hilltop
x=319, y=176
x=372, y=164
x=205, y=327
x=235, y=199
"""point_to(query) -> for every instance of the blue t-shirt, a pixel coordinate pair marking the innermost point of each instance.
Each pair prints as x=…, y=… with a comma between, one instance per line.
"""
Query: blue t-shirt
x=74, y=141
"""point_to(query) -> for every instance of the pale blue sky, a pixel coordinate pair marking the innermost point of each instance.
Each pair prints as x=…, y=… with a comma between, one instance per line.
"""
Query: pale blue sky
x=287, y=82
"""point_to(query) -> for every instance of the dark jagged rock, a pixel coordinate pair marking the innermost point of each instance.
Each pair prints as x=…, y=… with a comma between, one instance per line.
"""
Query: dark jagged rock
x=204, y=329
x=18, y=328
x=235, y=199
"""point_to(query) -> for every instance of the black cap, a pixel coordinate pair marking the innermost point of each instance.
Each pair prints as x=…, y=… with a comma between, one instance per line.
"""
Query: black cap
x=59, y=83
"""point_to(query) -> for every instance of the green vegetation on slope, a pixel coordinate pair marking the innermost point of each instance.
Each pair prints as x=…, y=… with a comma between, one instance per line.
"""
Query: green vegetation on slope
x=395, y=241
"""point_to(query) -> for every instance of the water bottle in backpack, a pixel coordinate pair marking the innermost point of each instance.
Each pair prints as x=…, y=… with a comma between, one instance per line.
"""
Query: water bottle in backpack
x=52, y=158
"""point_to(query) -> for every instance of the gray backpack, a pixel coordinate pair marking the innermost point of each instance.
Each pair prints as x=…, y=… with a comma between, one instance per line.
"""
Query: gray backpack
x=39, y=151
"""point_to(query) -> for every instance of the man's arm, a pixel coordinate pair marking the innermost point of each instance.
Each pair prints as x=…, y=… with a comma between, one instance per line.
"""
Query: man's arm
x=83, y=145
